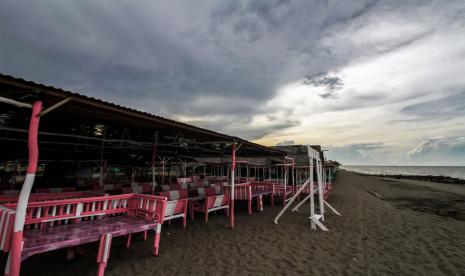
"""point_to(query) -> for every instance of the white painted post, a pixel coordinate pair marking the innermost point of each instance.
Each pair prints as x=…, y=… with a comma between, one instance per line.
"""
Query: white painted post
x=13, y=266
x=233, y=168
x=312, y=196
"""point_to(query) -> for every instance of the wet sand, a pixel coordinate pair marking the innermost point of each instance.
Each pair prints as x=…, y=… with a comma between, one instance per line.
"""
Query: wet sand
x=375, y=236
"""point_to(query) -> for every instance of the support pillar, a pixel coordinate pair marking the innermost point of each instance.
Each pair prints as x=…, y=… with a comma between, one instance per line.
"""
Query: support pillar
x=17, y=238
x=233, y=168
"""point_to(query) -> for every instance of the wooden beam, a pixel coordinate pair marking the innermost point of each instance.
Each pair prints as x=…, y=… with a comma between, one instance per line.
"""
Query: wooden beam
x=13, y=102
x=55, y=106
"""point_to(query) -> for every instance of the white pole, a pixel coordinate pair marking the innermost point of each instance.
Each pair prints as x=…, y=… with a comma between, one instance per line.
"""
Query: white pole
x=320, y=189
x=294, y=197
x=312, y=197
x=13, y=102
x=233, y=168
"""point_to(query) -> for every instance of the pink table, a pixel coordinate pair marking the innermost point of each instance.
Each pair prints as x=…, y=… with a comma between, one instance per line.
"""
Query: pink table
x=42, y=240
x=259, y=195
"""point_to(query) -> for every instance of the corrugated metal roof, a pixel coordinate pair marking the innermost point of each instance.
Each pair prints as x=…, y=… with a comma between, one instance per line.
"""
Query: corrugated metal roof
x=54, y=91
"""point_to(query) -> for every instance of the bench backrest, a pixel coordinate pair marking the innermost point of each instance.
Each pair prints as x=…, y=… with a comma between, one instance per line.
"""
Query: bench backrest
x=206, y=191
x=218, y=188
x=245, y=179
x=176, y=186
x=175, y=194
x=263, y=186
x=45, y=213
x=138, y=188
x=242, y=191
x=175, y=207
x=184, y=180
x=199, y=184
x=7, y=218
x=216, y=201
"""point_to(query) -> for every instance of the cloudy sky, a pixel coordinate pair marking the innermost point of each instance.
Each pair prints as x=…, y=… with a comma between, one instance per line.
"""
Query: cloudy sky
x=375, y=82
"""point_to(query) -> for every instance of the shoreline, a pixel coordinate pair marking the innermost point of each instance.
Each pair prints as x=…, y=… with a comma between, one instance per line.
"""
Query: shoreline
x=428, y=178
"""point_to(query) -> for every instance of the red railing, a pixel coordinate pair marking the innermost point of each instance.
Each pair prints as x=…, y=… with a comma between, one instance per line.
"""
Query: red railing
x=242, y=191
x=43, y=212
x=263, y=186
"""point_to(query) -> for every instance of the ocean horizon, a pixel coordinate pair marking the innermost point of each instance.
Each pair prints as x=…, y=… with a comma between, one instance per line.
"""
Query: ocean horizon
x=451, y=171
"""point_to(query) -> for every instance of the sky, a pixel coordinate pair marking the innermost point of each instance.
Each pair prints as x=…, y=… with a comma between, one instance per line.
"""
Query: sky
x=374, y=82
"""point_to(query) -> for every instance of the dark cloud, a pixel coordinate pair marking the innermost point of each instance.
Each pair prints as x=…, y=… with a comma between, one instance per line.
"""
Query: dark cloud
x=286, y=143
x=199, y=60
x=273, y=13
x=359, y=9
x=331, y=84
x=234, y=125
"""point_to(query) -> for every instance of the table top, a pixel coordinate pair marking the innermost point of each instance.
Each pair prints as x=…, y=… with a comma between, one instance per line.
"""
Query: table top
x=256, y=193
x=61, y=236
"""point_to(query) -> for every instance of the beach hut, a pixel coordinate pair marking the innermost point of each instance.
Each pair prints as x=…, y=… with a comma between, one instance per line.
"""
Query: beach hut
x=85, y=142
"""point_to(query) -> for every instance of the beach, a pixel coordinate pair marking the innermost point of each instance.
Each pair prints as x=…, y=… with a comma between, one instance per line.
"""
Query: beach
x=383, y=231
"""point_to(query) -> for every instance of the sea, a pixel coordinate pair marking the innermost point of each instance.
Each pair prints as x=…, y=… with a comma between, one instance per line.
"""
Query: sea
x=452, y=171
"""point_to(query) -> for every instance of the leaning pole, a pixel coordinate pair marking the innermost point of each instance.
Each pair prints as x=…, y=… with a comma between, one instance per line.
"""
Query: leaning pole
x=12, y=268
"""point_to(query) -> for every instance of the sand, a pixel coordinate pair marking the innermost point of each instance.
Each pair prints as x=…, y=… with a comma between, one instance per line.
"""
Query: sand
x=373, y=237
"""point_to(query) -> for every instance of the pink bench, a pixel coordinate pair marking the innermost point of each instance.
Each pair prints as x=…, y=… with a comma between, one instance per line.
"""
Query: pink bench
x=84, y=220
x=260, y=189
x=176, y=207
x=285, y=193
x=248, y=191
x=175, y=186
x=198, y=184
x=245, y=179
x=209, y=201
x=218, y=188
x=184, y=180
x=138, y=188
x=242, y=192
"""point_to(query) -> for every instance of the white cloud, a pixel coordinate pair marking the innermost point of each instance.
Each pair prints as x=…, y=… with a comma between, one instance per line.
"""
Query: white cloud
x=439, y=150
x=377, y=92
